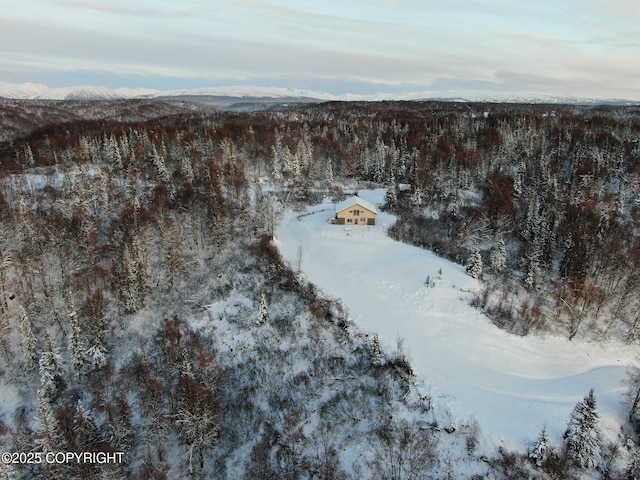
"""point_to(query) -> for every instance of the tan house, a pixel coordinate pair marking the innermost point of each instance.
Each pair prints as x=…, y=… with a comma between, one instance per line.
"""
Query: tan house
x=355, y=211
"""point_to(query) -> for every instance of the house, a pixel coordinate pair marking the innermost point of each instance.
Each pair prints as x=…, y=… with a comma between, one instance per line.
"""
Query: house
x=355, y=211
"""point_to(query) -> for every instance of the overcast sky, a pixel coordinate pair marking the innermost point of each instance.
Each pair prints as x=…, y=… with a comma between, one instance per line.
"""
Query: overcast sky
x=449, y=47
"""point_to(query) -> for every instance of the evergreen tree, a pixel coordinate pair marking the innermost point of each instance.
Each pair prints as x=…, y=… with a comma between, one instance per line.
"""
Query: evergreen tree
x=377, y=355
x=135, y=276
x=499, y=257
x=276, y=164
x=28, y=155
x=49, y=435
x=75, y=342
x=532, y=264
x=541, y=449
x=582, y=436
x=329, y=173
x=158, y=161
x=474, y=265
x=391, y=197
x=186, y=170
x=98, y=354
x=50, y=366
x=633, y=469
x=85, y=430
x=264, y=309
x=28, y=339
x=121, y=432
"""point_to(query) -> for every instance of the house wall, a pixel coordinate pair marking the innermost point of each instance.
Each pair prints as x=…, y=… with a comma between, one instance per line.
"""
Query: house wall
x=356, y=215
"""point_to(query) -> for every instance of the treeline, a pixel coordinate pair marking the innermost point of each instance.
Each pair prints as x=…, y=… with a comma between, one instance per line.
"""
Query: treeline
x=546, y=197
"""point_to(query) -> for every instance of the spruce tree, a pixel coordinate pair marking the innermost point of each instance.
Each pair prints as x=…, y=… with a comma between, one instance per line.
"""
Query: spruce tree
x=541, y=449
x=474, y=265
x=264, y=309
x=76, y=348
x=50, y=366
x=377, y=355
x=97, y=354
x=499, y=257
x=582, y=436
x=633, y=468
x=49, y=435
x=29, y=341
x=391, y=197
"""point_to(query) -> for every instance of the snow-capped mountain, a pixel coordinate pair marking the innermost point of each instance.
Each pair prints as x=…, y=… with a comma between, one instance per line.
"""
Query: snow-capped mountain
x=32, y=91
x=275, y=94
x=241, y=91
x=26, y=91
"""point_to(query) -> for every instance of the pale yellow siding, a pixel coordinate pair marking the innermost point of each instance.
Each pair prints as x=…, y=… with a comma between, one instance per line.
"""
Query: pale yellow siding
x=356, y=215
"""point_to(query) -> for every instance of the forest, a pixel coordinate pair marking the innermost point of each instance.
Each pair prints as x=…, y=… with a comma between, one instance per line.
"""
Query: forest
x=145, y=308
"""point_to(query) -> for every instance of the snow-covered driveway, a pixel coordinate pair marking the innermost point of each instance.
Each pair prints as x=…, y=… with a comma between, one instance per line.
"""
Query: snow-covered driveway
x=511, y=385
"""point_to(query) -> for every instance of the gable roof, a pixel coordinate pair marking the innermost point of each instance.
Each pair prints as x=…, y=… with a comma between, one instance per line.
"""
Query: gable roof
x=350, y=202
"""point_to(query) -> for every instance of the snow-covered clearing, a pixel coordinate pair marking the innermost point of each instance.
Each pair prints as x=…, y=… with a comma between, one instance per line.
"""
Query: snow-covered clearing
x=511, y=385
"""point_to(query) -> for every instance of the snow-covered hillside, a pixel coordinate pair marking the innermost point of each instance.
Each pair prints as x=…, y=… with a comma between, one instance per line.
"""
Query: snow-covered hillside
x=512, y=385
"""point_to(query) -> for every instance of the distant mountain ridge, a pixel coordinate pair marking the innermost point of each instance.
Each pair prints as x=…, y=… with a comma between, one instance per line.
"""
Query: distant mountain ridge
x=33, y=91
x=228, y=95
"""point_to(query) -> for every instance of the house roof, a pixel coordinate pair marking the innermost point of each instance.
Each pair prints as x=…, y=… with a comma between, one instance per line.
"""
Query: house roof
x=350, y=202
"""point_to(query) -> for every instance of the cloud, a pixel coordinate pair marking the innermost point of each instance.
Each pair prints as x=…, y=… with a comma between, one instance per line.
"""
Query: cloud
x=484, y=44
x=156, y=9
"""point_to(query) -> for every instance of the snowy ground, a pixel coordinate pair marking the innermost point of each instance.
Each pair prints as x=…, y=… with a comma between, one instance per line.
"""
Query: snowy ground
x=511, y=385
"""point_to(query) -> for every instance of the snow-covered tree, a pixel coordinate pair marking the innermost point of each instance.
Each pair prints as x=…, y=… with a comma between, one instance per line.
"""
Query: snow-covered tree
x=474, y=265
x=97, y=354
x=76, y=348
x=29, y=341
x=377, y=355
x=25, y=228
x=263, y=313
x=135, y=276
x=85, y=430
x=633, y=469
x=186, y=170
x=49, y=436
x=499, y=257
x=50, y=366
x=391, y=197
x=158, y=161
x=532, y=264
x=28, y=155
x=329, y=173
x=541, y=449
x=582, y=436
x=276, y=164
x=633, y=394
x=186, y=367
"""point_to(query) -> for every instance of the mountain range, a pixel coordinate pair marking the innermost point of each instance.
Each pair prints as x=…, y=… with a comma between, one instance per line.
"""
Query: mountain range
x=231, y=95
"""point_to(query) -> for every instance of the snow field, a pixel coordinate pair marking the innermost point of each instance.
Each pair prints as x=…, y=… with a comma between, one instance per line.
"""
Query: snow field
x=512, y=385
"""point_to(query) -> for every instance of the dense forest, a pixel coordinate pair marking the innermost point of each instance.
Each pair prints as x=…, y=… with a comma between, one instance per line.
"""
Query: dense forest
x=146, y=309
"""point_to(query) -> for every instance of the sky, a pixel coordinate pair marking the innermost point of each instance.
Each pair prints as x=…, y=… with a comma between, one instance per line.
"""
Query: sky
x=578, y=48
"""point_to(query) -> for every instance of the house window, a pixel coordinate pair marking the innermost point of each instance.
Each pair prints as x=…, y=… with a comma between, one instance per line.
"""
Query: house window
x=349, y=220
x=356, y=213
